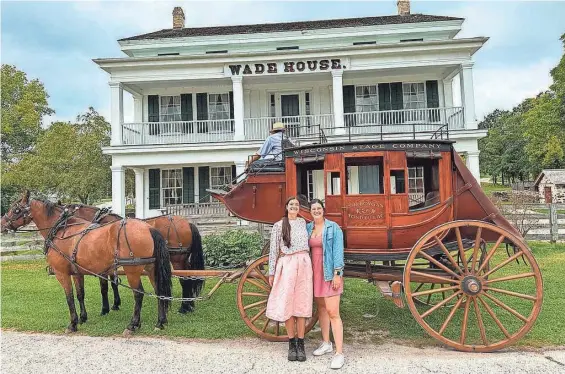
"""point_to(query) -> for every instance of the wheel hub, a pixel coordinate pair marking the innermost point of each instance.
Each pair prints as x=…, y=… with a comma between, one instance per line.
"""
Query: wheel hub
x=471, y=285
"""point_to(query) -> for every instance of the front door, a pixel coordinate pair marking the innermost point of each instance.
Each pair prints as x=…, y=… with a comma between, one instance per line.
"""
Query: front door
x=290, y=111
x=547, y=194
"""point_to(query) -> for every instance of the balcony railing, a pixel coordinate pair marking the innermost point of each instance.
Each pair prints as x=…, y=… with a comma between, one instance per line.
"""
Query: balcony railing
x=304, y=127
x=215, y=209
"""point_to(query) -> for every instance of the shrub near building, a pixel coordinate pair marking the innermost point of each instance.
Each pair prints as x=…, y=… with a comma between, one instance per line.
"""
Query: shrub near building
x=232, y=248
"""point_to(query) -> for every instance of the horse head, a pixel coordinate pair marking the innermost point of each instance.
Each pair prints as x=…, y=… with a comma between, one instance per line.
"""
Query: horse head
x=18, y=215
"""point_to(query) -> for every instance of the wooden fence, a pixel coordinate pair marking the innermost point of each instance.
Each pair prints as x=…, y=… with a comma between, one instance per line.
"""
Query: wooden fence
x=21, y=246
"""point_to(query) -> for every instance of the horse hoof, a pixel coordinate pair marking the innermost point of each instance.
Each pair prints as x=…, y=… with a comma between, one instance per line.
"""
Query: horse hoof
x=183, y=311
x=83, y=319
x=104, y=312
x=115, y=307
x=127, y=333
x=70, y=330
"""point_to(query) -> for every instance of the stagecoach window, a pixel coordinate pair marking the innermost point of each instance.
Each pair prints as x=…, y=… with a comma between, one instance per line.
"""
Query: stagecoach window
x=334, y=183
x=364, y=175
x=171, y=186
x=397, y=182
x=310, y=179
x=219, y=112
x=169, y=109
x=220, y=177
x=423, y=182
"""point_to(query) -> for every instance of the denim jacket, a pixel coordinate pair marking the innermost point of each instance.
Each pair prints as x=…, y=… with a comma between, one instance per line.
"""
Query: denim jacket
x=332, y=244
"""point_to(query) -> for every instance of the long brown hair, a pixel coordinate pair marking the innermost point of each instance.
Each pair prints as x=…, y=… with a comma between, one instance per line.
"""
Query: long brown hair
x=286, y=223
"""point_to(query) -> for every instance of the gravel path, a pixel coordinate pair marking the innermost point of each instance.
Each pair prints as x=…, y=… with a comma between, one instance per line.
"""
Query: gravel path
x=42, y=353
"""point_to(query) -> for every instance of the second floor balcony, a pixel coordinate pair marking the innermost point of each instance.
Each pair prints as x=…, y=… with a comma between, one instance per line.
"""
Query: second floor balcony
x=406, y=121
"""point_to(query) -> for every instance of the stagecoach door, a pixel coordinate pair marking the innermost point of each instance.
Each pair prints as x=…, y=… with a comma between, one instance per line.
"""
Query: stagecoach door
x=333, y=185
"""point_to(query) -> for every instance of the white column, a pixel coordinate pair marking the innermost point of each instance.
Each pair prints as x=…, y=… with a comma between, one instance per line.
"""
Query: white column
x=116, y=112
x=473, y=165
x=139, y=192
x=118, y=190
x=237, y=81
x=337, y=93
x=468, y=95
x=448, y=93
x=137, y=108
x=239, y=169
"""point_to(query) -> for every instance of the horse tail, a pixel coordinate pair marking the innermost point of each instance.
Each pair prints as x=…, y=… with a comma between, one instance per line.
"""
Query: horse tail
x=195, y=261
x=163, y=275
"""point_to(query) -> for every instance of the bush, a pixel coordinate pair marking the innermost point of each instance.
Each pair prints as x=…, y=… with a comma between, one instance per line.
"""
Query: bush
x=232, y=248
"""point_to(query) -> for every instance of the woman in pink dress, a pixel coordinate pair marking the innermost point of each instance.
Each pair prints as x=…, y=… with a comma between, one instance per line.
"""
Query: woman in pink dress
x=326, y=243
x=290, y=276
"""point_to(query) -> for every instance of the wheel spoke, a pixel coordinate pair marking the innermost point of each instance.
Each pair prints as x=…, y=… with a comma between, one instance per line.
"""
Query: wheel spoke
x=465, y=319
x=439, y=264
x=480, y=322
x=516, y=294
x=449, y=257
x=432, y=291
x=504, y=263
x=440, y=304
x=261, y=312
x=476, y=248
x=262, y=276
x=450, y=316
x=505, y=307
x=255, y=304
x=496, y=320
x=512, y=277
x=461, y=248
x=254, y=294
x=266, y=325
x=437, y=278
x=256, y=284
x=491, y=253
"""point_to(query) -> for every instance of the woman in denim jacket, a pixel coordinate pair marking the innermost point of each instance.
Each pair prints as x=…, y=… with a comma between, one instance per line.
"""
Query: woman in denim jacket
x=326, y=245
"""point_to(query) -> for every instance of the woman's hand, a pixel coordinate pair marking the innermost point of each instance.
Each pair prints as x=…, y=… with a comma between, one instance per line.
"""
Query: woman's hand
x=336, y=282
x=271, y=280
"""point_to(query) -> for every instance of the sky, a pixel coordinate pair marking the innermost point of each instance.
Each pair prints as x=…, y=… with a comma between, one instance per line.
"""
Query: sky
x=55, y=42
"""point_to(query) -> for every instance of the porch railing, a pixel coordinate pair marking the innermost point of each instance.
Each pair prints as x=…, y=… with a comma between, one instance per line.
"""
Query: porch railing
x=297, y=126
x=214, y=209
x=178, y=132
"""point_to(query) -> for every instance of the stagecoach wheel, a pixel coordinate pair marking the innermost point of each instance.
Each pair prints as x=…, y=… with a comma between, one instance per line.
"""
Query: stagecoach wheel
x=266, y=248
x=252, y=295
x=432, y=299
x=496, y=299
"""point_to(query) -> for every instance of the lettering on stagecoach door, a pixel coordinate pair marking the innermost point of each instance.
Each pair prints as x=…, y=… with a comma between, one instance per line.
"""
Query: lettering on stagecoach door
x=286, y=67
x=365, y=210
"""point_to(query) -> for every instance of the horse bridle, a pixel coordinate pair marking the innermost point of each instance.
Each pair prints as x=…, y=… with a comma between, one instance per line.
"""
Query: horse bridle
x=21, y=211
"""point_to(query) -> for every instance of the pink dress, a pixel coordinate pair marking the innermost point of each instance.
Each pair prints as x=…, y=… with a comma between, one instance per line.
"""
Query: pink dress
x=321, y=287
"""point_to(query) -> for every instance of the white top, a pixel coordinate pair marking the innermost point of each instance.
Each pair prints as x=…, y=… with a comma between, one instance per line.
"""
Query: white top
x=298, y=241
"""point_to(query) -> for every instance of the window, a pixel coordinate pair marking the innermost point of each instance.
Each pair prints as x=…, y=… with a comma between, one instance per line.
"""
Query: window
x=414, y=97
x=171, y=186
x=416, y=185
x=397, y=182
x=334, y=183
x=366, y=100
x=364, y=175
x=220, y=176
x=219, y=113
x=169, y=109
x=310, y=180
x=273, y=107
x=423, y=182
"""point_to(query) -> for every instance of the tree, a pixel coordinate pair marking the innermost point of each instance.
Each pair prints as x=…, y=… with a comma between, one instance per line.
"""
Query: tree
x=558, y=86
x=68, y=160
x=24, y=104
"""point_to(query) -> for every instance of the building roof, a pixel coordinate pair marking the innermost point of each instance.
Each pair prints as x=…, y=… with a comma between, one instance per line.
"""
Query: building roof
x=555, y=176
x=290, y=26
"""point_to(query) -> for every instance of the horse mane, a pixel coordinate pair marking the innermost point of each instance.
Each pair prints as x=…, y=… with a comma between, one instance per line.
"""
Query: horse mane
x=49, y=207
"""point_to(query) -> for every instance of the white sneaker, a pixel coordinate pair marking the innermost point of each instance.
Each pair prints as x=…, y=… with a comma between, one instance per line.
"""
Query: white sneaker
x=325, y=347
x=337, y=361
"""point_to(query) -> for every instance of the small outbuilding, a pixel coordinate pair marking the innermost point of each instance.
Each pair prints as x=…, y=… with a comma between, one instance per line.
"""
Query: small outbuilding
x=550, y=186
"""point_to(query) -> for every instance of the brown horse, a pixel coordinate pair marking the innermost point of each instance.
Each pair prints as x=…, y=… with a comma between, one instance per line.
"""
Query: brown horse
x=183, y=241
x=75, y=247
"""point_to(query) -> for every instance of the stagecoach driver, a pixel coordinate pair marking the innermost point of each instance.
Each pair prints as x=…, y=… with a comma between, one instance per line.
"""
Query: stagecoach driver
x=272, y=148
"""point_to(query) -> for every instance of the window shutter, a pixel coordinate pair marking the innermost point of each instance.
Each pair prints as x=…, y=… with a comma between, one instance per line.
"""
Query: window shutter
x=153, y=114
x=349, y=104
x=202, y=111
x=154, y=188
x=384, y=102
x=186, y=112
x=203, y=183
x=188, y=185
x=396, y=101
x=432, y=96
x=231, y=111
x=233, y=173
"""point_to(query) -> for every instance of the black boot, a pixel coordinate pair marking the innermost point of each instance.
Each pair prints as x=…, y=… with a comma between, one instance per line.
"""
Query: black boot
x=300, y=354
x=292, y=349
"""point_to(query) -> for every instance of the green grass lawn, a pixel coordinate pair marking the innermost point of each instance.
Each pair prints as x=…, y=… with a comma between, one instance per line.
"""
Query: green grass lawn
x=34, y=301
x=489, y=188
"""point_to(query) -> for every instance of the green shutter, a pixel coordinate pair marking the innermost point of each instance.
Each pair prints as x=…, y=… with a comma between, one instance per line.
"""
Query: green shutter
x=432, y=96
x=233, y=173
x=349, y=104
x=188, y=185
x=396, y=101
x=202, y=111
x=153, y=114
x=203, y=183
x=384, y=102
x=231, y=111
x=186, y=112
x=154, y=189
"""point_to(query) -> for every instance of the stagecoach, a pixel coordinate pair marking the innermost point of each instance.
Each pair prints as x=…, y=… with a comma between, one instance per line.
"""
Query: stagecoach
x=416, y=224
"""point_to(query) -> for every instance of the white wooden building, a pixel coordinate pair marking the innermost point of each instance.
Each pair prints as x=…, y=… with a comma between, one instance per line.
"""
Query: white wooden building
x=205, y=98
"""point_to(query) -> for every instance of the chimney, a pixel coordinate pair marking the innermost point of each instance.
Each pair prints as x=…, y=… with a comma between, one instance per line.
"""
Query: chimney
x=403, y=7
x=178, y=18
